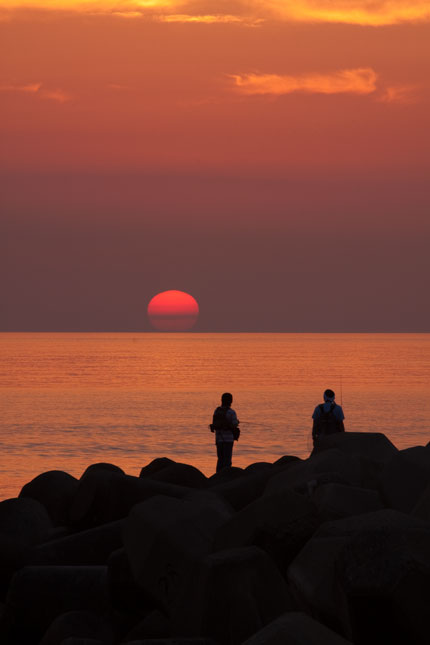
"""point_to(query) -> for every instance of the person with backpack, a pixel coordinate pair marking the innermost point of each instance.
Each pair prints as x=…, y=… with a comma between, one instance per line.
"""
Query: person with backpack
x=328, y=417
x=225, y=425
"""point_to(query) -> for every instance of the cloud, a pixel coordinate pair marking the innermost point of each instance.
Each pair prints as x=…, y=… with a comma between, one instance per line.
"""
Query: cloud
x=31, y=88
x=37, y=89
x=207, y=18
x=350, y=81
x=398, y=94
x=361, y=12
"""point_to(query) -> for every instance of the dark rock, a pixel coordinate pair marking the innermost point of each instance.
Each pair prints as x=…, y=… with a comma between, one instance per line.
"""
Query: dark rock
x=373, y=445
x=103, y=466
x=259, y=467
x=405, y=478
x=125, y=593
x=422, y=508
x=23, y=523
x=299, y=474
x=104, y=496
x=164, y=538
x=172, y=641
x=280, y=524
x=155, y=466
x=54, y=489
x=72, y=640
x=37, y=595
x=180, y=474
x=90, y=547
x=335, y=501
x=154, y=626
x=233, y=594
x=322, y=575
x=285, y=460
x=244, y=489
x=225, y=475
x=78, y=624
x=296, y=628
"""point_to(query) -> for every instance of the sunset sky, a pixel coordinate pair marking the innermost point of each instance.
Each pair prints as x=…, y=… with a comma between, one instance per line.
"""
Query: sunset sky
x=271, y=158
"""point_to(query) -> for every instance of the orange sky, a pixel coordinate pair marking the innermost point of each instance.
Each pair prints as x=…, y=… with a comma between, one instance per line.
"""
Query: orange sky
x=333, y=95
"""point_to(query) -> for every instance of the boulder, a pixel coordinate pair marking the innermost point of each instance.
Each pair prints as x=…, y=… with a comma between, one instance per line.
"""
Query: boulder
x=23, y=523
x=259, y=467
x=373, y=445
x=280, y=524
x=335, y=501
x=105, y=496
x=244, y=489
x=405, y=478
x=180, y=474
x=232, y=594
x=103, y=466
x=225, y=475
x=78, y=624
x=54, y=489
x=298, y=475
x=285, y=460
x=154, y=626
x=164, y=538
x=155, y=465
x=321, y=575
x=73, y=640
x=125, y=593
x=296, y=628
x=37, y=595
x=422, y=507
x=172, y=641
x=90, y=547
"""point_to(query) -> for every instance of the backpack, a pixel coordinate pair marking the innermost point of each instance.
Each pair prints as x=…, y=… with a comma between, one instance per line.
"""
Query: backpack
x=219, y=422
x=327, y=423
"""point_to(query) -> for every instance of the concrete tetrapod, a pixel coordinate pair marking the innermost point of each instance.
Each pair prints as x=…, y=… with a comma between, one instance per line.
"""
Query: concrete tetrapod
x=164, y=538
x=105, y=496
x=335, y=501
x=23, y=522
x=280, y=523
x=405, y=478
x=373, y=445
x=54, y=489
x=296, y=628
x=78, y=624
x=307, y=473
x=353, y=573
x=37, y=595
x=89, y=547
x=231, y=595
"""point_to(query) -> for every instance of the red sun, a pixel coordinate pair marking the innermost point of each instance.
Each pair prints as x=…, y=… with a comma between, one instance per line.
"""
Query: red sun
x=173, y=311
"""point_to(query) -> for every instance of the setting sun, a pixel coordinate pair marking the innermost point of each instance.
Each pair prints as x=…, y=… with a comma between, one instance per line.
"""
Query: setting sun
x=173, y=311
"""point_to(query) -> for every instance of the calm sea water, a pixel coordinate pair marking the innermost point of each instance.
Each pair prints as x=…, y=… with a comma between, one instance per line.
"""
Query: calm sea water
x=69, y=400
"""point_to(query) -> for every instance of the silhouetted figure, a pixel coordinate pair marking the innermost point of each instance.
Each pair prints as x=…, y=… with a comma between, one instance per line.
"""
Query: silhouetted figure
x=225, y=424
x=328, y=417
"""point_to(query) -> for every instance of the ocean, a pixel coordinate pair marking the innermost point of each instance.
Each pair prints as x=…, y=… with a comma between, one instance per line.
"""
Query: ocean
x=72, y=399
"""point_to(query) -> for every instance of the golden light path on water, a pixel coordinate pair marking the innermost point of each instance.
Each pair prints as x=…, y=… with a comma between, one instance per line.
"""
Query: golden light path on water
x=69, y=400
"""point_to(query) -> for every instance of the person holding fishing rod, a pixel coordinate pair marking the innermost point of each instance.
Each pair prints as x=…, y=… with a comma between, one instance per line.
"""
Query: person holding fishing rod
x=327, y=417
x=225, y=425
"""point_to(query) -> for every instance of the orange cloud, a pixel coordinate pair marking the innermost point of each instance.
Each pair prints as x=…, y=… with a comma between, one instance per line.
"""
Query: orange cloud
x=37, y=89
x=361, y=12
x=353, y=81
x=398, y=94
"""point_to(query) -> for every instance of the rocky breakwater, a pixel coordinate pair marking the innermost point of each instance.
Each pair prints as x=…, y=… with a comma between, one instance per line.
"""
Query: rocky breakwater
x=322, y=551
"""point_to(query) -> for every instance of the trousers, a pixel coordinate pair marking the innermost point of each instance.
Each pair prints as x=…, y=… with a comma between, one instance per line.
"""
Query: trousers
x=224, y=450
